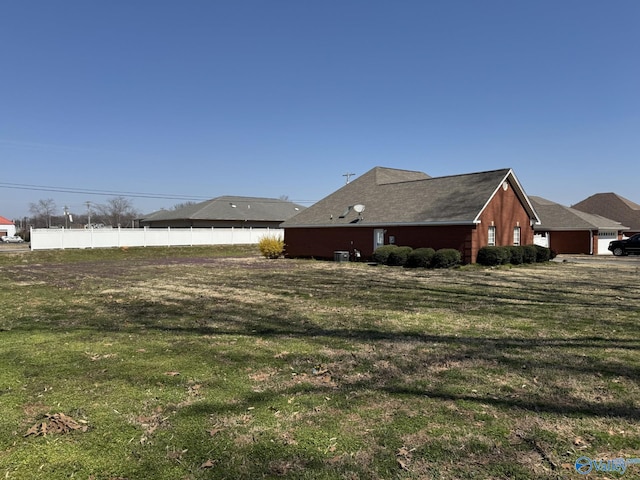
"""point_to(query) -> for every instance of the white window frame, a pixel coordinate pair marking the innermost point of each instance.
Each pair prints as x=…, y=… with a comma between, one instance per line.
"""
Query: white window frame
x=516, y=236
x=491, y=240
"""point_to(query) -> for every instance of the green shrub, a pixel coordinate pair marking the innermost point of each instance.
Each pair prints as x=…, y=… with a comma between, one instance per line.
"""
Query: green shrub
x=420, y=258
x=516, y=255
x=446, y=258
x=381, y=254
x=529, y=254
x=543, y=254
x=492, y=256
x=398, y=256
x=271, y=246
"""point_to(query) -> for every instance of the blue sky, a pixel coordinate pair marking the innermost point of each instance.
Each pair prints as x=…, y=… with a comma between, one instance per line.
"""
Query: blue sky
x=202, y=98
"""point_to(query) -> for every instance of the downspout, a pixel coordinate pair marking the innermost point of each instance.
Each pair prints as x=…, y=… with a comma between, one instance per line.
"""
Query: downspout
x=590, y=242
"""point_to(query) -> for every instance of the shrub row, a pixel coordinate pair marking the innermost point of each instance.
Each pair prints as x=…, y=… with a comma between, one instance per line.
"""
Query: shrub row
x=418, y=258
x=491, y=256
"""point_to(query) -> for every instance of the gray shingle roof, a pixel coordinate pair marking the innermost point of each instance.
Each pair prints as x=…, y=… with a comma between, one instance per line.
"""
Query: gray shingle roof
x=232, y=208
x=612, y=205
x=554, y=216
x=392, y=196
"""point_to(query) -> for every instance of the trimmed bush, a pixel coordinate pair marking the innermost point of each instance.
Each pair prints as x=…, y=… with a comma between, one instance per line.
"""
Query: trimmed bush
x=529, y=254
x=381, y=254
x=420, y=258
x=543, y=254
x=271, y=246
x=398, y=256
x=446, y=258
x=516, y=255
x=492, y=256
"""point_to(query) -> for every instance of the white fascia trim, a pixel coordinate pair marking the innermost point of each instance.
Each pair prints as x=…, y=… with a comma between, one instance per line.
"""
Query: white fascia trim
x=520, y=194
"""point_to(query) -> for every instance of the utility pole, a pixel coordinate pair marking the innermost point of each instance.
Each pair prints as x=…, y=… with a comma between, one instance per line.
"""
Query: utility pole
x=348, y=175
x=88, y=204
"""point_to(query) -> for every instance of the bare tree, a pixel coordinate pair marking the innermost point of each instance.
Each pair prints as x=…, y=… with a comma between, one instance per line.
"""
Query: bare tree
x=178, y=206
x=42, y=211
x=118, y=211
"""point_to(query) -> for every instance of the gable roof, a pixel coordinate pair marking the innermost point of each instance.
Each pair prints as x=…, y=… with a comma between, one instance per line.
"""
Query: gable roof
x=232, y=208
x=5, y=221
x=393, y=197
x=612, y=205
x=554, y=216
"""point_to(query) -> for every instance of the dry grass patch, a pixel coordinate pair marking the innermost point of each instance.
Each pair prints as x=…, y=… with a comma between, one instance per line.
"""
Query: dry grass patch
x=211, y=367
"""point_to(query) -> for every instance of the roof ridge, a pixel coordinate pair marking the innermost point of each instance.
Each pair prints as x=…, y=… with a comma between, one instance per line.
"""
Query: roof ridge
x=473, y=173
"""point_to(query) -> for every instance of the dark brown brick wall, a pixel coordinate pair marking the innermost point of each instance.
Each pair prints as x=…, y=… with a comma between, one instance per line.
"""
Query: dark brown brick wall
x=505, y=211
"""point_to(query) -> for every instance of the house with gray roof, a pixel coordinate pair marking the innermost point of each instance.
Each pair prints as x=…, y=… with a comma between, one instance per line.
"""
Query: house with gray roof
x=409, y=208
x=567, y=230
x=612, y=205
x=226, y=212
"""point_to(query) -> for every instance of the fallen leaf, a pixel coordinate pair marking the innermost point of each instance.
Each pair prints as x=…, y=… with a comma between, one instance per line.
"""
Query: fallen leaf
x=172, y=374
x=56, y=423
x=404, y=464
x=208, y=464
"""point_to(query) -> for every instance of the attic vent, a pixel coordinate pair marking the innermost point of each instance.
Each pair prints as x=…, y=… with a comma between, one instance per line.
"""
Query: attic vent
x=505, y=186
x=346, y=212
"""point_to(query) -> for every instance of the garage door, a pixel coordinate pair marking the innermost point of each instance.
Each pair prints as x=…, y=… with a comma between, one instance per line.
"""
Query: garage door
x=604, y=237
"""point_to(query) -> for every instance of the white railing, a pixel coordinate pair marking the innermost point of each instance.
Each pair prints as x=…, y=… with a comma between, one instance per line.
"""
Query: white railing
x=61, y=238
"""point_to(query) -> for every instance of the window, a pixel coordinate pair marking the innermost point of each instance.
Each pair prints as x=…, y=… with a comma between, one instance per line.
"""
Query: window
x=492, y=236
x=516, y=235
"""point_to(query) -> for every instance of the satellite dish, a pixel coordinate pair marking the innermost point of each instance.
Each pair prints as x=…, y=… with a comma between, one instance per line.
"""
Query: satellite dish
x=359, y=208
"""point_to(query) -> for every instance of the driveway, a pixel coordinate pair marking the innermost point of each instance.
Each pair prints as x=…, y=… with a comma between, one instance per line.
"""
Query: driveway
x=601, y=259
x=14, y=247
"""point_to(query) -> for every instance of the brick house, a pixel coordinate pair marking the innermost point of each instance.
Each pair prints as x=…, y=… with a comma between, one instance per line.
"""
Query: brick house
x=567, y=230
x=409, y=208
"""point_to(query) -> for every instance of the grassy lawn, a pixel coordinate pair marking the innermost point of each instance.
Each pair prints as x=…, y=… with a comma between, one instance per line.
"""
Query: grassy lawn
x=213, y=363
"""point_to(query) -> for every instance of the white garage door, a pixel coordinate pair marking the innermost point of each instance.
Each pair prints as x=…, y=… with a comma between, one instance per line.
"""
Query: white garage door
x=604, y=237
x=541, y=239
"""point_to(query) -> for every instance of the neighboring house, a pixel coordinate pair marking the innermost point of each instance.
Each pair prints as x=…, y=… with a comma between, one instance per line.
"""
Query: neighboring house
x=567, y=230
x=408, y=208
x=7, y=227
x=225, y=212
x=611, y=205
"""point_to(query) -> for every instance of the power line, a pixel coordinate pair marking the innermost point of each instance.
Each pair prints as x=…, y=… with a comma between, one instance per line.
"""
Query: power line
x=81, y=191
x=43, y=188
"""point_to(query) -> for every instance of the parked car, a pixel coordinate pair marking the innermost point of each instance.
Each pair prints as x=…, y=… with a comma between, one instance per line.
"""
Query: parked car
x=12, y=239
x=627, y=246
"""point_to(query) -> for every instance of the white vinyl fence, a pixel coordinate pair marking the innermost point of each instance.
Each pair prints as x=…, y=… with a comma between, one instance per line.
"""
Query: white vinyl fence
x=61, y=238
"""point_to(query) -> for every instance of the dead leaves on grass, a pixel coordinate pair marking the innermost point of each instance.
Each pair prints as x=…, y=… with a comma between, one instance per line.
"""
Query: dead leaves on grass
x=58, y=423
x=94, y=357
x=404, y=456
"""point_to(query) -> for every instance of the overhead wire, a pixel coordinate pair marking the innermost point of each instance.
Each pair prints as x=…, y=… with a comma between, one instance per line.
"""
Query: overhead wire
x=86, y=191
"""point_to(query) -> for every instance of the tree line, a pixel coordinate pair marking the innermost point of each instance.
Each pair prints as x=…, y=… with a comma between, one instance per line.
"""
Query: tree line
x=115, y=212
